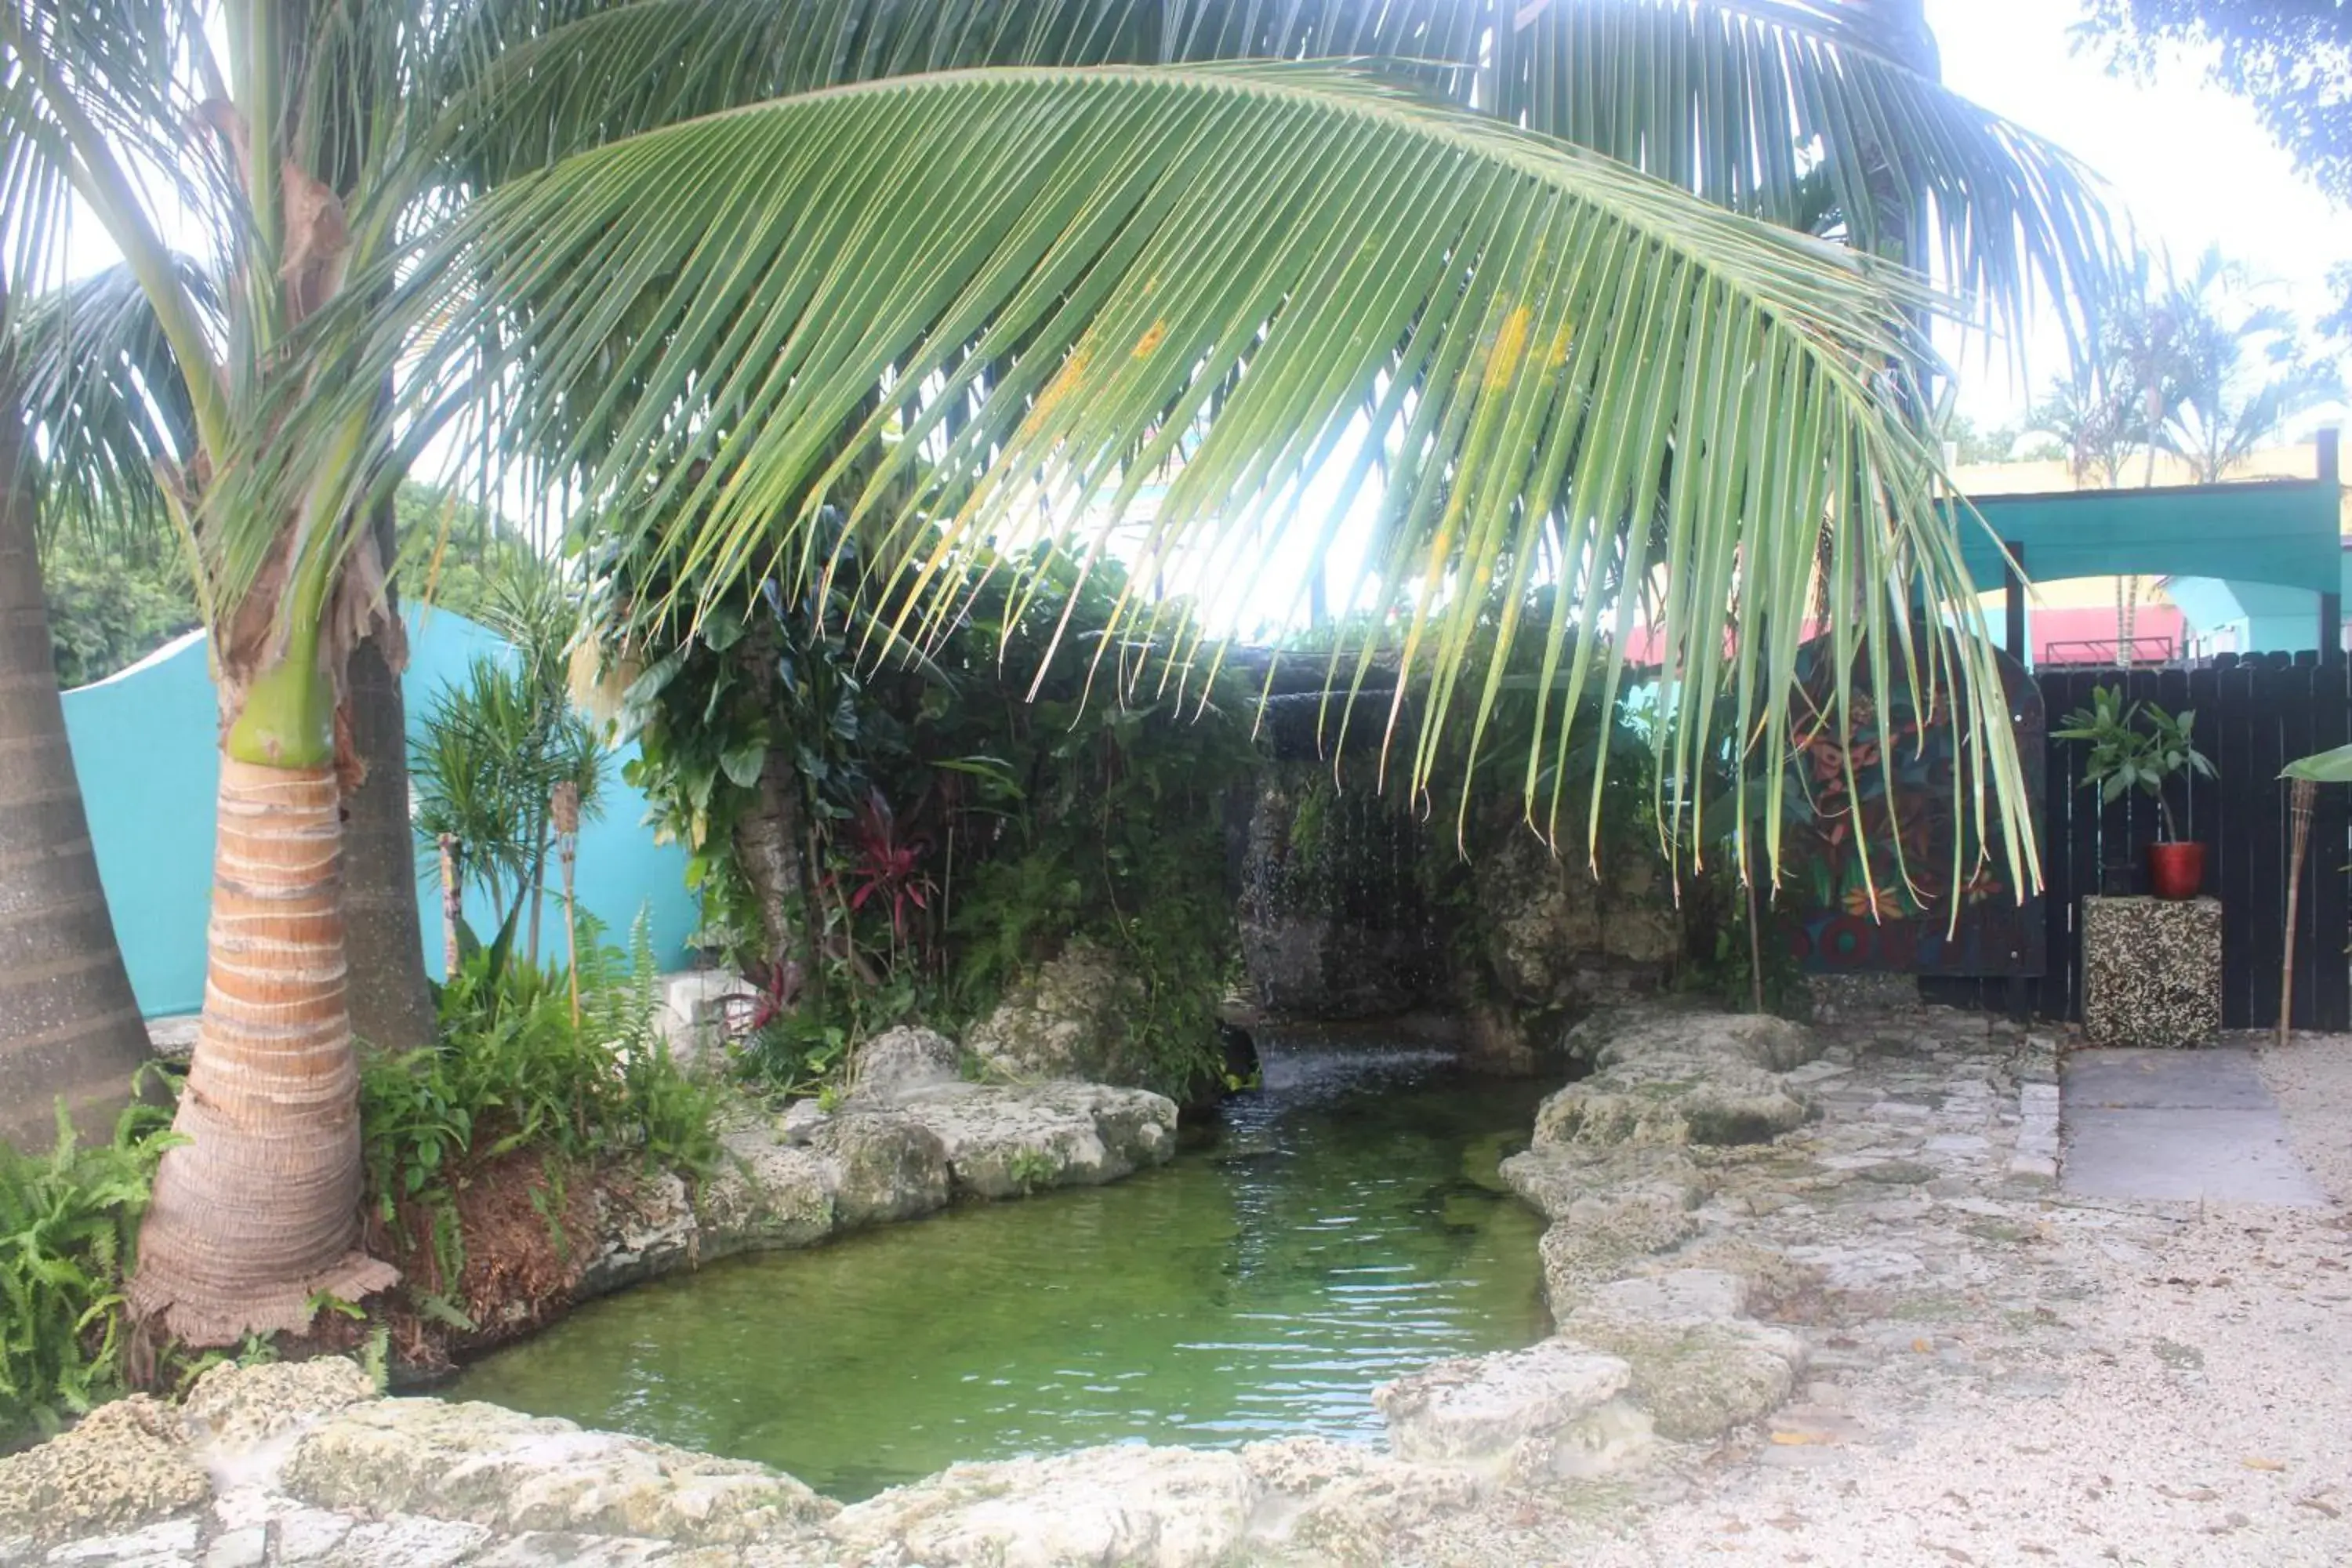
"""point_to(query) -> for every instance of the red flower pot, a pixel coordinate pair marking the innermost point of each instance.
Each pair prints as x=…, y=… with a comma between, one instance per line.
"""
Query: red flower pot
x=2176, y=870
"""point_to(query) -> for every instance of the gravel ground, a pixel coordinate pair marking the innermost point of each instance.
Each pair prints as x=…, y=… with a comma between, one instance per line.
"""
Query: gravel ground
x=2090, y=1383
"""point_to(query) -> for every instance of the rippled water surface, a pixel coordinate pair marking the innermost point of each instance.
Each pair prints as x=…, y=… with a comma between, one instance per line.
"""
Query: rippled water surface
x=1341, y=1226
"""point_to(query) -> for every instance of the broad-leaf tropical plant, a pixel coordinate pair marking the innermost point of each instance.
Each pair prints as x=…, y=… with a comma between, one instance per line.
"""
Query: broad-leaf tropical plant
x=977, y=306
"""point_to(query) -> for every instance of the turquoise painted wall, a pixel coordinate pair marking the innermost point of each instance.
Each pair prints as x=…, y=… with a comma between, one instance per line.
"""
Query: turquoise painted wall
x=145, y=744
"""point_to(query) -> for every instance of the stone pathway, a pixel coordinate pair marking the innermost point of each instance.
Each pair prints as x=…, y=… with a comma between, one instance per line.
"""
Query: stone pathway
x=2196, y=1125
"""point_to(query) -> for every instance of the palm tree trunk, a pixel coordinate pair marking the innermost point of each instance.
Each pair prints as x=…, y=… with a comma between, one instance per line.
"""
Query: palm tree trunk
x=257, y=1216
x=391, y=1000
x=68, y=1026
x=768, y=852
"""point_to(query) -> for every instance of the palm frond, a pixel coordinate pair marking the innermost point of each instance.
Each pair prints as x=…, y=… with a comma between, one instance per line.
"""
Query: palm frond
x=986, y=309
x=1785, y=110
x=107, y=404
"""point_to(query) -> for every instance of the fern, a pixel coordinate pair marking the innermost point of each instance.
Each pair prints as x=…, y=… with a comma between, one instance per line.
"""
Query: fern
x=68, y=1222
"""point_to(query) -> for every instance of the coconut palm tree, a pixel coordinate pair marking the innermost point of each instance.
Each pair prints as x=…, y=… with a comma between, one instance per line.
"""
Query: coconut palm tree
x=954, y=269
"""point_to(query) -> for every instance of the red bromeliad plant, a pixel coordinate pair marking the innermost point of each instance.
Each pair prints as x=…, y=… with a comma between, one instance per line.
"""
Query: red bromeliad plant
x=887, y=865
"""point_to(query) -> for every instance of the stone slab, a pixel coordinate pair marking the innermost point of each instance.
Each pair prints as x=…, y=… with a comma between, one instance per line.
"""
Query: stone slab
x=2139, y=1079
x=2171, y=1125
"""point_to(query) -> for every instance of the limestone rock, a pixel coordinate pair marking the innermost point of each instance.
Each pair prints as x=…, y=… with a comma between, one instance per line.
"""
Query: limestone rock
x=1127, y=1507
x=1342, y=1502
x=121, y=1467
x=644, y=1226
x=479, y=1464
x=1597, y=1188
x=398, y=1540
x=1630, y=1035
x=1498, y=1414
x=802, y=1119
x=1559, y=936
x=897, y=1060
x=1609, y=1208
x=1002, y=1142
x=885, y=1167
x=1672, y=1076
x=235, y=1406
x=1698, y=1293
x=1696, y=1376
x=766, y=1193
x=1541, y=912
x=1068, y=1018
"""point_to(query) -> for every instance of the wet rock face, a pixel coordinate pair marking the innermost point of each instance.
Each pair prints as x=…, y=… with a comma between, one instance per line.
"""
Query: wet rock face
x=1332, y=919
x=482, y=1464
x=1559, y=936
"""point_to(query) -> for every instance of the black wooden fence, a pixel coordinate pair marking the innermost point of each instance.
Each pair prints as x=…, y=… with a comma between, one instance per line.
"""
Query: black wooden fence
x=2254, y=715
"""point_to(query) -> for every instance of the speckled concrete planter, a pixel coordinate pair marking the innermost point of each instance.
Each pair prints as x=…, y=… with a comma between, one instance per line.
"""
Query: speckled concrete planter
x=2151, y=971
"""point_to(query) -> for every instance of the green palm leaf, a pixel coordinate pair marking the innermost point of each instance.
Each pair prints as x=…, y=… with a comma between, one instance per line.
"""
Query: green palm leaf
x=1772, y=108
x=1229, y=274
x=103, y=392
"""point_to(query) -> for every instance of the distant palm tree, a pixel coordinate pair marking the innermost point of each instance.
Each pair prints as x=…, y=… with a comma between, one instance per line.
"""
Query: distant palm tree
x=2240, y=371
x=938, y=265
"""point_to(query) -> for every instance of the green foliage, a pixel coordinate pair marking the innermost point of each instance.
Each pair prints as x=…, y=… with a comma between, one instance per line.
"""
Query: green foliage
x=798, y=1053
x=2322, y=767
x=1718, y=961
x=512, y=1071
x=486, y=763
x=106, y=615
x=2137, y=747
x=69, y=1221
x=1031, y=1170
x=452, y=554
x=969, y=813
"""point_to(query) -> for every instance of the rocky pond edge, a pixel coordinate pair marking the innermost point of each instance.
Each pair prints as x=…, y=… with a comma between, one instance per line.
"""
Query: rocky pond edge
x=1663, y=1337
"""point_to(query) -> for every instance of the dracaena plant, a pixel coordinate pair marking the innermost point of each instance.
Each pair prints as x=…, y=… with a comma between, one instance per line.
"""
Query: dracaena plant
x=979, y=274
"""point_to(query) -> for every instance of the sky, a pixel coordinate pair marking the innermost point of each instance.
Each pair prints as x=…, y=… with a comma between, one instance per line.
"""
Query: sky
x=2188, y=163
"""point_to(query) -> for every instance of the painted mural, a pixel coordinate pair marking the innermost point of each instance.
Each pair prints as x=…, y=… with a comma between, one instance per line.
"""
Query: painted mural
x=1868, y=879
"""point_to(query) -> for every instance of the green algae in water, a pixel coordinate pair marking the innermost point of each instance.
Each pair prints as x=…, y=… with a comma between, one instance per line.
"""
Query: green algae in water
x=1341, y=1226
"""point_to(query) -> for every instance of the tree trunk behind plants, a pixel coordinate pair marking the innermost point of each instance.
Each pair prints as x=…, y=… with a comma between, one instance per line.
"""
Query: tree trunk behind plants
x=391, y=1000
x=68, y=1026
x=768, y=849
x=272, y=1099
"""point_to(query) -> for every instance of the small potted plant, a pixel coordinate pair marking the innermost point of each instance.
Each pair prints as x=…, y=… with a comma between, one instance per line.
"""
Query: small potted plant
x=2142, y=747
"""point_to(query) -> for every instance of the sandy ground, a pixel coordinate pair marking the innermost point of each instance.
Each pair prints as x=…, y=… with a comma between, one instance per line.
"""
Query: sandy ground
x=2137, y=1384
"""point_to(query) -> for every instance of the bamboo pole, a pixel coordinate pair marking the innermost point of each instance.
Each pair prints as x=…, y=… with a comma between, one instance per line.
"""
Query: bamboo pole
x=2299, y=810
x=563, y=816
x=452, y=906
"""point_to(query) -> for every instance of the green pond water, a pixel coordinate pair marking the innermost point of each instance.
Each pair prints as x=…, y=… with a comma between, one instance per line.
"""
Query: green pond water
x=1341, y=1226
